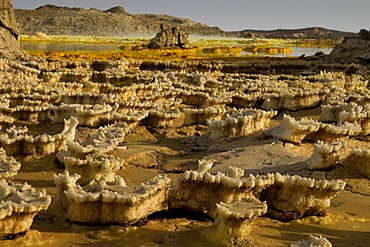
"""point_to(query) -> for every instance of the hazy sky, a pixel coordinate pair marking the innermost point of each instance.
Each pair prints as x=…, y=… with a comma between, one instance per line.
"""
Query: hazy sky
x=345, y=15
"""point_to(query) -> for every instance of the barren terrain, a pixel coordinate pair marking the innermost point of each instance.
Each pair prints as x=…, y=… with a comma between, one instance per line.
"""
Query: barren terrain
x=149, y=151
x=182, y=151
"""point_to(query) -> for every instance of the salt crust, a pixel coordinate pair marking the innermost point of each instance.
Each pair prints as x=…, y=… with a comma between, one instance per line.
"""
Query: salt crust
x=293, y=197
x=278, y=93
x=24, y=96
x=204, y=166
x=294, y=99
x=14, y=73
x=33, y=113
x=17, y=141
x=348, y=112
x=202, y=192
x=112, y=203
x=89, y=158
x=104, y=140
x=245, y=100
x=288, y=197
x=337, y=154
x=200, y=116
x=19, y=204
x=87, y=115
x=203, y=99
x=313, y=241
x=5, y=120
x=326, y=155
x=292, y=130
x=9, y=167
x=94, y=167
x=195, y=91
x=83, y=98
x=234, y=220
x=132, y=119
x=239, y=124
x=162, y=118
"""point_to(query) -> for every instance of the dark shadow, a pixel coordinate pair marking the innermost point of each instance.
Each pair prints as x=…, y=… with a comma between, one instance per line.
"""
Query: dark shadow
x=56, y=224
x=175, y=213
x=13, y=236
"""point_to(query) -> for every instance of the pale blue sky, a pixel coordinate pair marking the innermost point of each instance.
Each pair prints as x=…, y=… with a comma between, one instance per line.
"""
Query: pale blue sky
x=345, y=15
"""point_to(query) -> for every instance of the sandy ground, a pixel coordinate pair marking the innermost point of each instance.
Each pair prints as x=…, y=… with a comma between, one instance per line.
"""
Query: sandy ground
x=148, y=152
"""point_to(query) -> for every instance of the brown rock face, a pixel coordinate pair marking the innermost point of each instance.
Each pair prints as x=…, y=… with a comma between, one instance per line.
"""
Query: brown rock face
x=170, y=38
x=353, y=50
x=9, y=32
x=7, y=18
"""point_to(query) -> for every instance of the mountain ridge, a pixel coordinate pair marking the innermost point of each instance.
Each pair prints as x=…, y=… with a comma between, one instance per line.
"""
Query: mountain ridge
x=116, y=21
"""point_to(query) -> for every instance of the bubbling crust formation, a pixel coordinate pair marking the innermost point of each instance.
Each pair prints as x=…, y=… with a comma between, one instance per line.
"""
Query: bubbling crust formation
x=288, y=197
x=9, y=167
x=94, y=167
x=19, y=204
x=87, y=115
x=313, y=241
x=295, y=131
x=292, y=197
x=338, y=155
x=234, y=220
x=112, y=203
x=16, y=140
x=115, y=97
x=239, y=124
x=326, y=155
x=348, y=112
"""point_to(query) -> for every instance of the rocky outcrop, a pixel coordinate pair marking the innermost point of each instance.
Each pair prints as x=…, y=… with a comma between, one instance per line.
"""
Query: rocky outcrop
x=9, y=32
x=170, y=37
x=353, y=50
x=8, y=20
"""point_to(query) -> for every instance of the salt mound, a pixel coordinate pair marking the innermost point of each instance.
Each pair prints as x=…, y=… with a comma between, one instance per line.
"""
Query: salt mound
x=19, y=204
x=112, y=203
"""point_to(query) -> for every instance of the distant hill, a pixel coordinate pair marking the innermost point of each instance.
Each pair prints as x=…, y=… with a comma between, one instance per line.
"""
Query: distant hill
x=310, y=33
x=54, y=20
